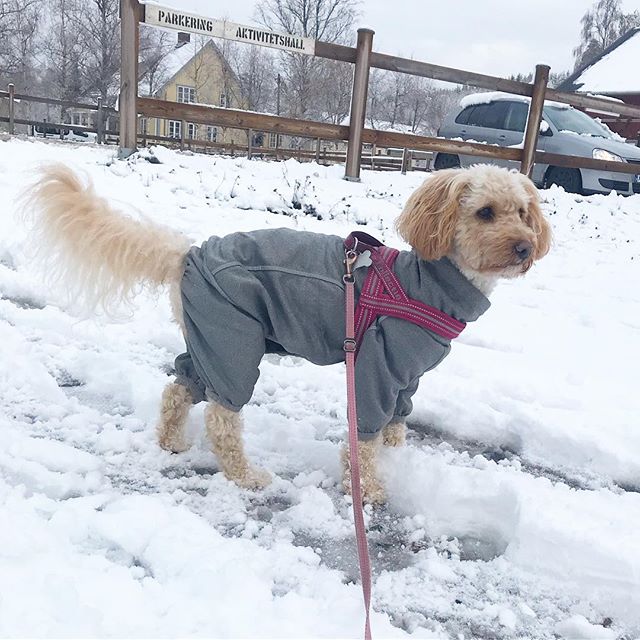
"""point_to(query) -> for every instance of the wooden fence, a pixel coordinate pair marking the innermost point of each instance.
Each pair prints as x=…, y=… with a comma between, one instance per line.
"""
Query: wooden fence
x=58, y=128
x=355, y=133
x=364, y=58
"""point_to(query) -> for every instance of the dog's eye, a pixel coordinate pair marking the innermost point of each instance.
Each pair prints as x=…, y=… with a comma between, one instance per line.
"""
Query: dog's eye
x=521, y=212
x=486, y=213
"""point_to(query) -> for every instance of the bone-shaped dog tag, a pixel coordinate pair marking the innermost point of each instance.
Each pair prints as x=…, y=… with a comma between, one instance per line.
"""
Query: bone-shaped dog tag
x=364, y=260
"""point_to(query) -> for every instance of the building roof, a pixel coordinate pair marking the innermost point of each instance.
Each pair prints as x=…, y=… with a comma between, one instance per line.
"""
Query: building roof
x=177, y=59
x=614, y=71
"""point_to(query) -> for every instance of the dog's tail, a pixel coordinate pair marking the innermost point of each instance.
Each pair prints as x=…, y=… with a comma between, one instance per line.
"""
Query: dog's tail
x=101, y=255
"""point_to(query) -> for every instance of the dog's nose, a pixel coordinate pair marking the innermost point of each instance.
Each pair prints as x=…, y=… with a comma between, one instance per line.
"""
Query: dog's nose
x=523, y=250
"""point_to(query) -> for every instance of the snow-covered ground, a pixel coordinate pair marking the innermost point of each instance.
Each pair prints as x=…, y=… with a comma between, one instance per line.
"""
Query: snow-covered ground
x=514, y=511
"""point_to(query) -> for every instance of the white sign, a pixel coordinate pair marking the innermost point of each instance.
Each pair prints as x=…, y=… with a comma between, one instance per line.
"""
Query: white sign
x=168, y=18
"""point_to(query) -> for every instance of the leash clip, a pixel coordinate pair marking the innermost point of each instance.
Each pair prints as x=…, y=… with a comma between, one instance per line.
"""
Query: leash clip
x=350, y=257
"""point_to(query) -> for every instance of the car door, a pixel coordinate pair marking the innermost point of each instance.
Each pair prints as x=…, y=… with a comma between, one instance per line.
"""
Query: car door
x=482, y=123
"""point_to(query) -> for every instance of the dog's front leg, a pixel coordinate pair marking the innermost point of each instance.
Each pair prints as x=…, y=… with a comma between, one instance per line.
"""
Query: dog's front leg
x=394, y=434
x=370, y=485
x=224, y=428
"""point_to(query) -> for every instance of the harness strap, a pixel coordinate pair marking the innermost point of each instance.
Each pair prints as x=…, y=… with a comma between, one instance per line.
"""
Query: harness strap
x=382, y=294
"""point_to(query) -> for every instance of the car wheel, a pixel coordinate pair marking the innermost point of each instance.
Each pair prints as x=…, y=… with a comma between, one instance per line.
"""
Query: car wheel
x=446, y=161
x=569, y=179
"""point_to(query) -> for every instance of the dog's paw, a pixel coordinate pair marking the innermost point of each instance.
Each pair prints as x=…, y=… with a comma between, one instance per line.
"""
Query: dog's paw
x=174, y=445
x=371, y=489
x=254, y=478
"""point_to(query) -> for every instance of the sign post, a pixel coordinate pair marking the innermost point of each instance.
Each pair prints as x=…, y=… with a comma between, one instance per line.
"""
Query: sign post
x=129, y=18
x=358, y=104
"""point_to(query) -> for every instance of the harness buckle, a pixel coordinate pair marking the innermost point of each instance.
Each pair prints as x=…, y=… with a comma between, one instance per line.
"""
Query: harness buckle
x=349, y=345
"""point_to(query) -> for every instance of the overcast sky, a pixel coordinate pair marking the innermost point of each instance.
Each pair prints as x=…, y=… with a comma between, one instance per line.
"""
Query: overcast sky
x=497, y=37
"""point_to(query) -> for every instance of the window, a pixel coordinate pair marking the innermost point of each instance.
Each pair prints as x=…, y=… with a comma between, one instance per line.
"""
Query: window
x=81, y=119
x=224, y=100
x=517, y=116
x=192, y=130
x=186, y=94
x=463, y=116
x=142, y=125
x=175, y=129
x=212, y=133
x=490, y=115
x=273, y=140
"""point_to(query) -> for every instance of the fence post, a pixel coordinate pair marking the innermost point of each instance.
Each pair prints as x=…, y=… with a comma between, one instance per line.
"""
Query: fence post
x=100, y=123
x=129, y=28
x=533, y=121
x=12, y=109
x=358, y=104
x=405, y=160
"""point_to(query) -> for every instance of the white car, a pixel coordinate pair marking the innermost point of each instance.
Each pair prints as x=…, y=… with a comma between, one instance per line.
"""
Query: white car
x=499, y=118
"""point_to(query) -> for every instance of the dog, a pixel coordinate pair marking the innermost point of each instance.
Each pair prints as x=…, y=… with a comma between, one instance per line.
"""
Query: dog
x=240, y=296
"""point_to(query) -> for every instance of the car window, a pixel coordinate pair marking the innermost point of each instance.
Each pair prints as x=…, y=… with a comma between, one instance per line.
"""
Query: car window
x=568, y=119
x=517, y=116
x=491, y=115
x=463, y=116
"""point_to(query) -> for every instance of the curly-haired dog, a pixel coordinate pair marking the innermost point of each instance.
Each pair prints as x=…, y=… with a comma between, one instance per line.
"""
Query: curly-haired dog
x=240, y=296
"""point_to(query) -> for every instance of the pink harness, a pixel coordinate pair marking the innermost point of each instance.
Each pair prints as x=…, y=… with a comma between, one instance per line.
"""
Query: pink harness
x=382, y=294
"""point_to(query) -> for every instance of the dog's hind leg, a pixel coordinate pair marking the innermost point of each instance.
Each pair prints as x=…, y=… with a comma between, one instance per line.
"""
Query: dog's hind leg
x=370, y=485
x=224, y=428
x=176, y=402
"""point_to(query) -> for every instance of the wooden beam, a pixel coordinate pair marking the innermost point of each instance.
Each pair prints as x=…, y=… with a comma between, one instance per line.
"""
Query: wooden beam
x=596, y=104
x=237, y=119
x=448, y=74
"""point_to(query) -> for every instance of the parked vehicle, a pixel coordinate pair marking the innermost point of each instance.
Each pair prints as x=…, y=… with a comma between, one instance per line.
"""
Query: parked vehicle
x=497, y=118
x=63, y=133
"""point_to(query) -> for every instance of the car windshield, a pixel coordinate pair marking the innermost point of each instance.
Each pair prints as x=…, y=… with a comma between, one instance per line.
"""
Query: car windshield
x=573, y=120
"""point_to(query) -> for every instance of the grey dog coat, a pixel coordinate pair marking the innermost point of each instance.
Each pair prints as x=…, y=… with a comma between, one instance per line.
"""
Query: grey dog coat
x=281, y=291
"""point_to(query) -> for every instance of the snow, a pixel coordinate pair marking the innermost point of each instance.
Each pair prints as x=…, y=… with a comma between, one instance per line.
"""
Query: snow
x=513, y=511
x=491, y=96
x=614, y=73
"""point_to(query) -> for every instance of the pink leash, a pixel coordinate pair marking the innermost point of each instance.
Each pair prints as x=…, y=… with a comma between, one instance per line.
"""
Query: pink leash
x=352, y=418
x=382, y=294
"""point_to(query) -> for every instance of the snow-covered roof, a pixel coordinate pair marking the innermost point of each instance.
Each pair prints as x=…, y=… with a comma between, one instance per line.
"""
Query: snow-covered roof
x=615, y=72
x=174, y=61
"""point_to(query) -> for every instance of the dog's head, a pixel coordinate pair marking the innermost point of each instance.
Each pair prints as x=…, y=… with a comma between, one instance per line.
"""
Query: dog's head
x=486, y=218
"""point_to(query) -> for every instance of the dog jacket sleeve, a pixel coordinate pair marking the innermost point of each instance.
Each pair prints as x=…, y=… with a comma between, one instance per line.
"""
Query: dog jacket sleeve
x=393, y=356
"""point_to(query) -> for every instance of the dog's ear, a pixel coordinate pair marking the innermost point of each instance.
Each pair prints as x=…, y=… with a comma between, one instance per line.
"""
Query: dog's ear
x=428, y=220
x=536, y=220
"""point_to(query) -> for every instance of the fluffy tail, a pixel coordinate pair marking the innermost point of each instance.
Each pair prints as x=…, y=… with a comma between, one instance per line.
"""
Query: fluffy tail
x=102, y=256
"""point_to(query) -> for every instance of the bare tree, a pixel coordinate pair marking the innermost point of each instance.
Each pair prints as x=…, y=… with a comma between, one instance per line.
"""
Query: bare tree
x=62, y=52
x=602, y=25
x=19, y=21
x=98, y=26
x=257, y=75
x=155, y=45
x=305, y=77
x=328, y=20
